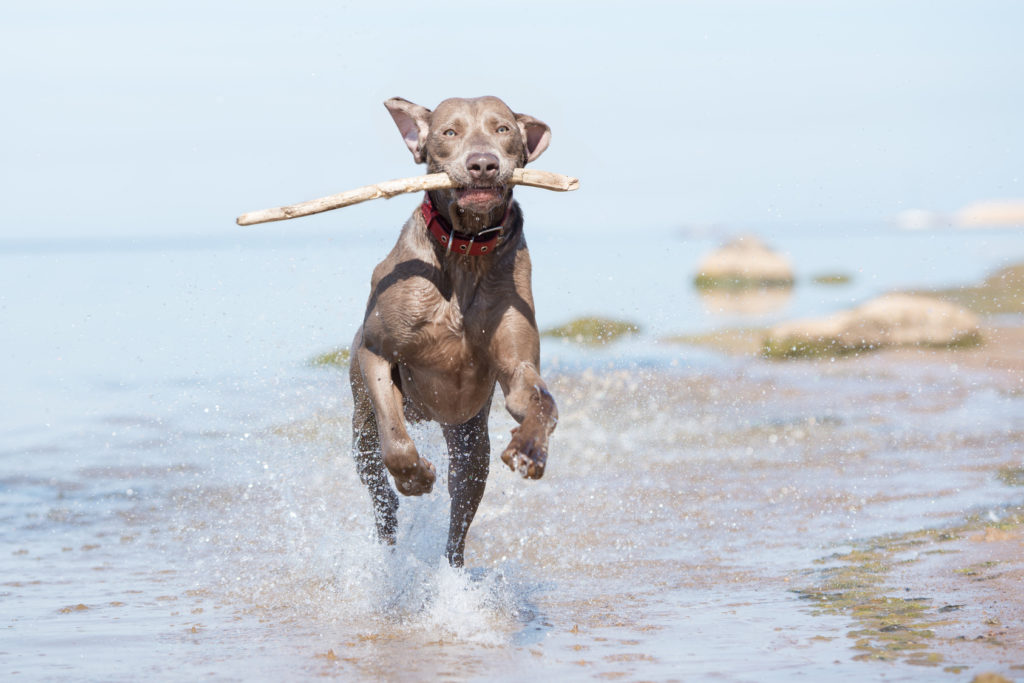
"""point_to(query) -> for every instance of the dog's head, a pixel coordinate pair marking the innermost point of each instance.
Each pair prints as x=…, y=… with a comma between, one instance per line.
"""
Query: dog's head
x=478, y=142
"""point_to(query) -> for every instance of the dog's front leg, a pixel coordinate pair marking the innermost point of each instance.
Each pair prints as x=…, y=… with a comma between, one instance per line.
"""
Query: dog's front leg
x=528, y=400
x=469, y=456
x=413, y=475
x=516, y=350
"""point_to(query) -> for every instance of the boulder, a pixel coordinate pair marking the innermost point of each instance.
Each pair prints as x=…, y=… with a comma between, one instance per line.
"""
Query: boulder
x=889, y=321
x=990, y=677
x=745, y=262
x=993, y=214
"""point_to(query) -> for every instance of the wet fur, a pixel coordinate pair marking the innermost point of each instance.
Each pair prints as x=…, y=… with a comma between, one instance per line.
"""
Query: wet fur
x=441, y=329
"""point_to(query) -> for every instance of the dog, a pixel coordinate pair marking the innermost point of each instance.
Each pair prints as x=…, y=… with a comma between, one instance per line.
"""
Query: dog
x=450, y=315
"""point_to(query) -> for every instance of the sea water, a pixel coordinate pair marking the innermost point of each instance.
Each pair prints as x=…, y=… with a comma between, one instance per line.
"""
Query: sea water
x=178, y=498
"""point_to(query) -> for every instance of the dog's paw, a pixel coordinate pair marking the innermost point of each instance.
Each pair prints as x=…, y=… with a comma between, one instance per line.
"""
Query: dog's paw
x=416, y=479
x=526, y=454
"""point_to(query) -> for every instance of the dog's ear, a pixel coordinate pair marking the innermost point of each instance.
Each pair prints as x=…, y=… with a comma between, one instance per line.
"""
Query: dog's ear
x=536, y=135
x=413, y=122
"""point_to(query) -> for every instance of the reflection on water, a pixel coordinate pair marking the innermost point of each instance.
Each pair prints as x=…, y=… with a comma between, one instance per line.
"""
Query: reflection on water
x=749, y=301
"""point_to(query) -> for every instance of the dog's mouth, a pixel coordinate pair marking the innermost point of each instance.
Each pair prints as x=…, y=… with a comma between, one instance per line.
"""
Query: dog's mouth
x=479, y=199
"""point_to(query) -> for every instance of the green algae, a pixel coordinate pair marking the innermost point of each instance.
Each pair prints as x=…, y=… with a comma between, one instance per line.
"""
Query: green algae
x=593, y=330
x=1011, y=476
x=789, y=349
x=702, y=281
x=889, y=626
x=832, y=279
x=589, y=330
x=824, y=347
x=977, y=569
x=758, y=341
x=773, y=348
x=338, y=358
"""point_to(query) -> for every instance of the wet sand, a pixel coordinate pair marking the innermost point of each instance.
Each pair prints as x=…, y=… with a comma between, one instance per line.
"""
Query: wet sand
x=970, y=573
x=1002, y=353
x=982, y=575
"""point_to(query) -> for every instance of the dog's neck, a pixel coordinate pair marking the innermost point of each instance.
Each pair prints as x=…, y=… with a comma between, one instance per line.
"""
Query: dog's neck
x=455, y=242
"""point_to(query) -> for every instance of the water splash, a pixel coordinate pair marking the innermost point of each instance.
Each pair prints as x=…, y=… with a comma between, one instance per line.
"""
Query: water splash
x=296, y=543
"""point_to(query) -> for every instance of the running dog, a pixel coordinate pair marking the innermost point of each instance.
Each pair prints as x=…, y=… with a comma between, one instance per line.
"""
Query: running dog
x=451, y=314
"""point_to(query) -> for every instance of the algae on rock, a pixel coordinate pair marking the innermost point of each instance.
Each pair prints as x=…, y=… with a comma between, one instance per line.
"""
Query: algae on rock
x=593, y=330
x=746, y=262
x=337, y=358
x=889, y=321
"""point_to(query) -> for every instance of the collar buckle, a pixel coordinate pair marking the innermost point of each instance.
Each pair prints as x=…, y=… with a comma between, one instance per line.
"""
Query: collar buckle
x=479, y=244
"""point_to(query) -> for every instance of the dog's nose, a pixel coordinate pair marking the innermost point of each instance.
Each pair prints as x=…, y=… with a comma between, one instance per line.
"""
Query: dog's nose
x=482, y=166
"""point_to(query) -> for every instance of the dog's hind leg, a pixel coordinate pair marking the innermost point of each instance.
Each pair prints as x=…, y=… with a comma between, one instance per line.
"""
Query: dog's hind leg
x=369, y=461
x=469, y=455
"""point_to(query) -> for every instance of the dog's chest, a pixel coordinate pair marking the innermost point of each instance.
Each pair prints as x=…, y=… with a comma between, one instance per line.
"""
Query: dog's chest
x=445, y=366
x=455, y=324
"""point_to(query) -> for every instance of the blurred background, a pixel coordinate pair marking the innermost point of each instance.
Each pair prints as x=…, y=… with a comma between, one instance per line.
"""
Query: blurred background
x=170, y=118
x=133, y=135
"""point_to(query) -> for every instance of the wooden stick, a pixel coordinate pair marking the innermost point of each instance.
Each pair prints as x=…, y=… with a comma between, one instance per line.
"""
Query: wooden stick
x=390, y=188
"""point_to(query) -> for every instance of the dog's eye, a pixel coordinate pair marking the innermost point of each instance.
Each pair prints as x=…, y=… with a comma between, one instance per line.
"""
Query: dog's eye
x=450, y=133
x=503, y=129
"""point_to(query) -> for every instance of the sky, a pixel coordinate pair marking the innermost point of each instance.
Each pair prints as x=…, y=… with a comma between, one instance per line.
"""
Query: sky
x=155, y=119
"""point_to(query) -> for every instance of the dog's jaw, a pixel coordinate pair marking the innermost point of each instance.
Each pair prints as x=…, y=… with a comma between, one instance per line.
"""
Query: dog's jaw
x=472, y=209
x=480, y=200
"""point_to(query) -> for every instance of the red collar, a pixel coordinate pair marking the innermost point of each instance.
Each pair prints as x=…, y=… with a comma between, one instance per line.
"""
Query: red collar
x=483, y=242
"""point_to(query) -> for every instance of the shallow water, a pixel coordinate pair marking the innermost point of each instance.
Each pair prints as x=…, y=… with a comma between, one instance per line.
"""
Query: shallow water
x=178, y=499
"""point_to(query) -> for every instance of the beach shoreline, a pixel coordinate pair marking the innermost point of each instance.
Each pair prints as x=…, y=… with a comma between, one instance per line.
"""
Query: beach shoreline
x=978, y=564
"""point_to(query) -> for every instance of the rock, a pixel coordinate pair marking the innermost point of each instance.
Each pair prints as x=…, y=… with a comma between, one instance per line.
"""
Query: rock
x=990, y=677
x=891, y=320
x=1004, y=213
x=745, y=262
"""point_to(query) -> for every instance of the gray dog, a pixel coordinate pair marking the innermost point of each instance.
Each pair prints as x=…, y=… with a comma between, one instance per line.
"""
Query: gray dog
x=450, y=314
